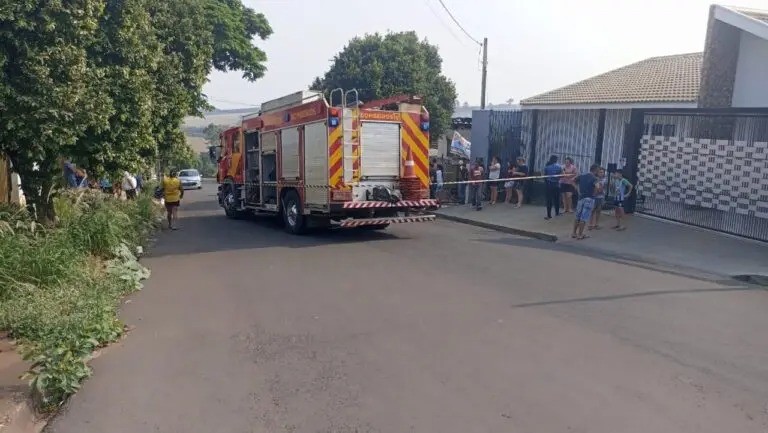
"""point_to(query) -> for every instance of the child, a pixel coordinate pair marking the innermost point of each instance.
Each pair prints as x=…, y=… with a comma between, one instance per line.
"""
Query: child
x=594, y=223
x=621, y=190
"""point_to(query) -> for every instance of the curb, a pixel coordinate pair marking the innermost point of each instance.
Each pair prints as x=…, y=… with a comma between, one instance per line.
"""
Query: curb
x=511, y=230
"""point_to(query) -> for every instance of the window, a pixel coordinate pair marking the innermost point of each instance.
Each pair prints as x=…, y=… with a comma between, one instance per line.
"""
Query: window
x=189, y=173
x=645, y=128
x=236, y=143
x=657, y=129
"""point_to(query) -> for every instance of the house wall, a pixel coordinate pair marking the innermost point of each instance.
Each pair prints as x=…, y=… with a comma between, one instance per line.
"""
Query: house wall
x=751, y=86
x=718, y=70
x=567, y=133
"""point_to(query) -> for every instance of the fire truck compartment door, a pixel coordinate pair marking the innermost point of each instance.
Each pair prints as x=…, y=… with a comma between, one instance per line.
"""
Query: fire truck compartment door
x=380, y=149
x=290, y=153
x=316, y=164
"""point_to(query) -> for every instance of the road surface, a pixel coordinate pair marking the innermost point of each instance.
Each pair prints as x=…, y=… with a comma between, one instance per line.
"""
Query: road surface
x=432, y=327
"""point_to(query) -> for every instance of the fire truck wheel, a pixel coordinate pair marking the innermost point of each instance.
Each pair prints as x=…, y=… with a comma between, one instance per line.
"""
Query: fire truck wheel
x=294, y=219
x=230, y=202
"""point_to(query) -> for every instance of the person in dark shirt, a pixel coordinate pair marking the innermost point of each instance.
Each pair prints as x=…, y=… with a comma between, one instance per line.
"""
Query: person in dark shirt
x=476, y=192
x=520, y=170
x=587, y=184
x=463, y=177
x=552, y=183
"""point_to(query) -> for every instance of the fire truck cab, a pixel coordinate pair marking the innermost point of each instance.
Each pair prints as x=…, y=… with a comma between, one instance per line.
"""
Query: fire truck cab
x=334, y=162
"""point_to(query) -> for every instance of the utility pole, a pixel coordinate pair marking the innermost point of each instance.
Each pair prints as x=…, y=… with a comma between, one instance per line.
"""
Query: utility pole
x=485, y=73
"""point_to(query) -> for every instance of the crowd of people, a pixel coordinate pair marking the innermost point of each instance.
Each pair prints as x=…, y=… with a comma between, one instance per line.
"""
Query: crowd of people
x=129, y=187
x=77, y=177
x=567, y=191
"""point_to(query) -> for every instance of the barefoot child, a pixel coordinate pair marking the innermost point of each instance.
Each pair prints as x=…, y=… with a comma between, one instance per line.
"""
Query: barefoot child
x=621, y=190
x=587, y=185
x=594, y=222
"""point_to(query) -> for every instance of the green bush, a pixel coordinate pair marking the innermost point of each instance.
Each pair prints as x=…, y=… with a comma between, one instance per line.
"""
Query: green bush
x=60, y=287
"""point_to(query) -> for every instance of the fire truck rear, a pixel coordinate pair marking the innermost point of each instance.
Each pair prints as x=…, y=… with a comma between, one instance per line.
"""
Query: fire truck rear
x=337, y=162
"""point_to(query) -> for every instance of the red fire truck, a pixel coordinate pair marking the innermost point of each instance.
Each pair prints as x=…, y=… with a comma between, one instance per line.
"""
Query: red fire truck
x=316, y=163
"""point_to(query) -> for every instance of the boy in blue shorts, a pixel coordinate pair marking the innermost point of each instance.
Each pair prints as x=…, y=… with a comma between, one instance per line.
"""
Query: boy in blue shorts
x=587, y=185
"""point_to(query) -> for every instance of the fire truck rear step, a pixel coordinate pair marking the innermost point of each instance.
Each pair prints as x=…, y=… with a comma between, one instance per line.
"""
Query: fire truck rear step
x=359, y=222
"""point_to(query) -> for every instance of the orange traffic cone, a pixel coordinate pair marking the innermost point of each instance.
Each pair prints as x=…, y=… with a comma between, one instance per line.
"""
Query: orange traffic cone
x=410, y=185
x=409, y=171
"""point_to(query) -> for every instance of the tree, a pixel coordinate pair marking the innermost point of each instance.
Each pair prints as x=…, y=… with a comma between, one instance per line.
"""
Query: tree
x=125, y=54
x=46, y=95
x=211, y=133
x=109, y=82
x=382, y=66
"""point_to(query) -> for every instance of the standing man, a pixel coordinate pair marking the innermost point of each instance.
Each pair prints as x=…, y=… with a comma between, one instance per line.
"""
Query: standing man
x=463, y=177
x=553, y=169
x=476, y=173
x=587, y=185
x=173, y=193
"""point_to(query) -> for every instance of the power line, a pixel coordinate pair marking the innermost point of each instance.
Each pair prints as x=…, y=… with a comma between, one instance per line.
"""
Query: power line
x=244, y=104
x=446, y=26
x=459, y=24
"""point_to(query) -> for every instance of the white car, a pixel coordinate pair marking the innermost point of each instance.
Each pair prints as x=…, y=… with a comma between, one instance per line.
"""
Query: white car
x=190, y=179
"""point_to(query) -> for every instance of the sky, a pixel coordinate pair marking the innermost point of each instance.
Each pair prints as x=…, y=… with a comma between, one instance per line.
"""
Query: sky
x=533, y=45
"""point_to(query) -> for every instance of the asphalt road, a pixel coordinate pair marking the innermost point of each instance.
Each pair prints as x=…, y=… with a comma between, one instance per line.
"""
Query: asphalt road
x=432, y=327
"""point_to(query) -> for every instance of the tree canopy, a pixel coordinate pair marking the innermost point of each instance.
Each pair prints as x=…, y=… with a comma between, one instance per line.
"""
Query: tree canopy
x=108, y=83
x=380, y=66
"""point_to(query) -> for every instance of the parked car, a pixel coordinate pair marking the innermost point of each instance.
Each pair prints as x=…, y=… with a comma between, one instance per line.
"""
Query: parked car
x=190, y=179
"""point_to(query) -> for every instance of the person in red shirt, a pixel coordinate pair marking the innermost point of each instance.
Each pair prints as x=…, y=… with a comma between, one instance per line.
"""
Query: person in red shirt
x=476, y=173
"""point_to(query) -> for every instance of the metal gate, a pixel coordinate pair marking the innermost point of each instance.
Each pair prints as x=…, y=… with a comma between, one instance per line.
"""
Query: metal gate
x=706, y=170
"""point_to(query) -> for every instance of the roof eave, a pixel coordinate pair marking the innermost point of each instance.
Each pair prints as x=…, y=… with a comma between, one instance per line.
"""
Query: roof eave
x=741, y=21
x=609, y=105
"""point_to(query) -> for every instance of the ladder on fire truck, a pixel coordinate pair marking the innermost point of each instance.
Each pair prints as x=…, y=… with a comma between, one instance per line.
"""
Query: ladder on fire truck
x=350, y=122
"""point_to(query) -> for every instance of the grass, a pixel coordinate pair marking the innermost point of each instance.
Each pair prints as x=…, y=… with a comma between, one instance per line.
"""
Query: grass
x=60, y=287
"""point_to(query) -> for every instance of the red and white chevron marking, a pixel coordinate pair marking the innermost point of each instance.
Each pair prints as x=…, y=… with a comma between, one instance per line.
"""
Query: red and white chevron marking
x=379, y=221
x=380, y=204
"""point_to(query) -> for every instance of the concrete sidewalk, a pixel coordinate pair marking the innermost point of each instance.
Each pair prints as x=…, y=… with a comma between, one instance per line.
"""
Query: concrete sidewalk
x=646, y=240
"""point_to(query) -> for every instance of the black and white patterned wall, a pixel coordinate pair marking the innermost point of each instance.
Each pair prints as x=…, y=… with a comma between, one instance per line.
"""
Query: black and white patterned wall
x=724, y=175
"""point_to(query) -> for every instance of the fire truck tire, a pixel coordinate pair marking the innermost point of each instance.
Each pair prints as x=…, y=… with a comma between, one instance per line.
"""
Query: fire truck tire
x=228, y=192
x=293, y=216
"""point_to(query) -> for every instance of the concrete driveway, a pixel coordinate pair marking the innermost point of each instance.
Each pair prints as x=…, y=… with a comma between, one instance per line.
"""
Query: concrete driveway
x=433, y=327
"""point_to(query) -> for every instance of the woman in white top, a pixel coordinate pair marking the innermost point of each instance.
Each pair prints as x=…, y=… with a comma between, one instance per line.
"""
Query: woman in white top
x=494, y=172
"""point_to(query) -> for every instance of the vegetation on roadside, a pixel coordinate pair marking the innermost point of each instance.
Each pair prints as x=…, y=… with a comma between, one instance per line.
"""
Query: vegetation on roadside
x=60, y=286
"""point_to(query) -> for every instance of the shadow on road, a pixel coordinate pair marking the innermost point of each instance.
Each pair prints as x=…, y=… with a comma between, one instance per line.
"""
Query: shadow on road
x=214, y=232
x=609, y=256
